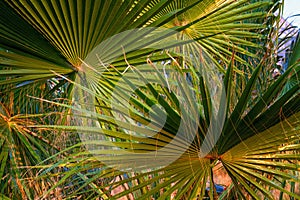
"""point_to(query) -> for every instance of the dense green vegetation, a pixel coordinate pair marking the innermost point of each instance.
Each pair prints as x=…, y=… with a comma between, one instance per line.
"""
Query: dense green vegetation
x=176, y=92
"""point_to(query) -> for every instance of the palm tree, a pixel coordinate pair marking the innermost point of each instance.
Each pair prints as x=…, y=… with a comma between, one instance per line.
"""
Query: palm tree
x=76, y=129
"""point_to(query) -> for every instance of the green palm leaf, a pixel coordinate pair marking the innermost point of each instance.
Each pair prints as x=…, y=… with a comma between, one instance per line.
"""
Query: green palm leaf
x=142, y=119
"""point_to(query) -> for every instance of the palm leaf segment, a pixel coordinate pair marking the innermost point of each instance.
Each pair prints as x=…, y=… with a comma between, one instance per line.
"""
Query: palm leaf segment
x=255, y=170
x=73, y=29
